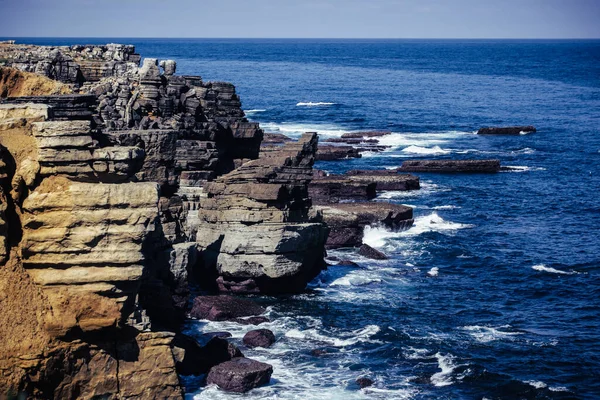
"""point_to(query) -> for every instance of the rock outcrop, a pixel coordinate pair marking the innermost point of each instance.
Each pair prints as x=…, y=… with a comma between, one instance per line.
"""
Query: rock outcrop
x=481, y=166
x=256, y=232
x=348, y=220
x=508, y=130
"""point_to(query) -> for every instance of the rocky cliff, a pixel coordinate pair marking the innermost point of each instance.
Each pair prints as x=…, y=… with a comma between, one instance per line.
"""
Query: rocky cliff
x=119, y=184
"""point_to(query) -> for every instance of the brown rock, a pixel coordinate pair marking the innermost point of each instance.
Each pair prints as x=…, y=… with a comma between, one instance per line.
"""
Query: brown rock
x=240, y=375
x=259, y=338
x=369, y=252
x=224, y=308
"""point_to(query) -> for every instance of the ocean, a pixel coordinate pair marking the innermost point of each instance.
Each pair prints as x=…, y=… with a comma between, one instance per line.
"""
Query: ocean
x=494, y=293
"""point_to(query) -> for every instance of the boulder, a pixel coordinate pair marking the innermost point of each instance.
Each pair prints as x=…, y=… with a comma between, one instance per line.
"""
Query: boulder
x=471, y=166
x=367, y=251
x=508, y=130
x=259, y=338
x=240, y=375
x=224, y=308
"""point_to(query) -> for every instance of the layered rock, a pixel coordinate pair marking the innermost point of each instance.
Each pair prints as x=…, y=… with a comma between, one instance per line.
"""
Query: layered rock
x=483, y=166
x=84, y=241
x=256, y=232
x=348, y=220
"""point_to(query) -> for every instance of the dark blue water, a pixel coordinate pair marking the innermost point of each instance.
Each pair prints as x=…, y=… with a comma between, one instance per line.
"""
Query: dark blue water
x=495, y=292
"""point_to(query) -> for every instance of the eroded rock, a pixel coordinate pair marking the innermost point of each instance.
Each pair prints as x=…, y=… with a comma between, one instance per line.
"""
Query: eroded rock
x=240, y=375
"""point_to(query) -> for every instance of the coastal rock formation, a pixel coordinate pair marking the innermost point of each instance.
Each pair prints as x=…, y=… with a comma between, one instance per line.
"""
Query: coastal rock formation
x=508, y=130
x=331, y=153
x=348, y=220
x=256, y=231
x=358, y=185
x=482, y=166
x=224, y=308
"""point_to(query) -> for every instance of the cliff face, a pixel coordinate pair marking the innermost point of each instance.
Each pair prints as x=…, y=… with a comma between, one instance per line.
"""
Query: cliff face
x=112, y=198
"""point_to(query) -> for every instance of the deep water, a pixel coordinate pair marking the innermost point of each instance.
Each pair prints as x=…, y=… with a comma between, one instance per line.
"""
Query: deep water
x=495, y=292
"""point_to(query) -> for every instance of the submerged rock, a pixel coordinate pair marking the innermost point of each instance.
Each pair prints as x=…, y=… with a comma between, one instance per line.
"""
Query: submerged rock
x=224, y=308
x=259, y=338
x=369, y=252
x=508, y=130
x=484, y=166
x=240, y=375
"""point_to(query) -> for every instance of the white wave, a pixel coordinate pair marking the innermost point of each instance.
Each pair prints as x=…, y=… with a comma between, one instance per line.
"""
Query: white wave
x=526, y=150
x=485, y=334
x=444, y=207
x=252, y=112
x=558, y=389
x=425, y=150
x=543, y=268
x=378, y=236
x=354, y=280
x=413, y=353
x=537, y=384
x=315, y=104
x=433, y=223
x=357, y=336
x=427, y=188
x=397, y=140
x=435, y=271
x=297, y=129
x=522, y=168
x=446, y=364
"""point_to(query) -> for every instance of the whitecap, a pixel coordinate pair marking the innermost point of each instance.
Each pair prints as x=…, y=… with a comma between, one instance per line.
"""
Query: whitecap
x=444, y=207
x=521, y=168
x=433, y=223
x=354, y=280
x=357, y=336
x=433, y=271
x=427, y=188
x=543, y=268
x=558, y=389
x=537, y=384
x=397, y=140
x=485, y=334
x=446, y=364
x=297, y=129
x=252, y=112
x=425, y=150
x=314, y=104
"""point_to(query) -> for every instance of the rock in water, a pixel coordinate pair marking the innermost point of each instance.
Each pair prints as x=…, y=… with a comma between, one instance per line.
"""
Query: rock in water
x=508, y=130
x=364, y=382
x=240, y=375
x=194, y=359
x=224, y=308
x=484, y=166
x=259, y=338
x=369, y=252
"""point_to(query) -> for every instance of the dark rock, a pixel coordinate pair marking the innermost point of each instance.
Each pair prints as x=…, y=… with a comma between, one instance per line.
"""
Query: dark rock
x=348, y=263
x=275, y=138
x=222, y=335
x=240, y=375
x=224, y=308
x=482, y=166
x=385, y=179
x=369, y=252
x=508, y=130
x=194, y=359
x=335, y=188
x=364, y=382
x=348, y=220
x=355, y=135
x=252, y=320
x=332, y=153
x=259, y=338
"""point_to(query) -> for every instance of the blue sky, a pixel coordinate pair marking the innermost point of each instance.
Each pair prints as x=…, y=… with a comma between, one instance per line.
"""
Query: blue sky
x=302, y=18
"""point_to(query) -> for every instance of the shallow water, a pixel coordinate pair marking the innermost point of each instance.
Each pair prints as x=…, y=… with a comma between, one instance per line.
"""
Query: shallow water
x=494, y=292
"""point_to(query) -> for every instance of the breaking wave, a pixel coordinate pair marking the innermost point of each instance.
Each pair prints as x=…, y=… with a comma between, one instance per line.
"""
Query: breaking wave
x=316, y=104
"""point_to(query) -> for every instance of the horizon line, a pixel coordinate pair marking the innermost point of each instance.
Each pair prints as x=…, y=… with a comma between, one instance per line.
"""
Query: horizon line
x=293, y=38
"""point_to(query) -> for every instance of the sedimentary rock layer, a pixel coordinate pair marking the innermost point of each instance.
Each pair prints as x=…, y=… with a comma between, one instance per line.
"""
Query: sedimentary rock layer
x=485, y=166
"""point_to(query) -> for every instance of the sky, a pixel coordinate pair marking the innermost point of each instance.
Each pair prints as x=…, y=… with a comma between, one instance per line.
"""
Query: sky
x=301, y=18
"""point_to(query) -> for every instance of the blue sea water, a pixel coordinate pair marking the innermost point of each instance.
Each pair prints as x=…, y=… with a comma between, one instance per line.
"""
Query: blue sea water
x=495, y=291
